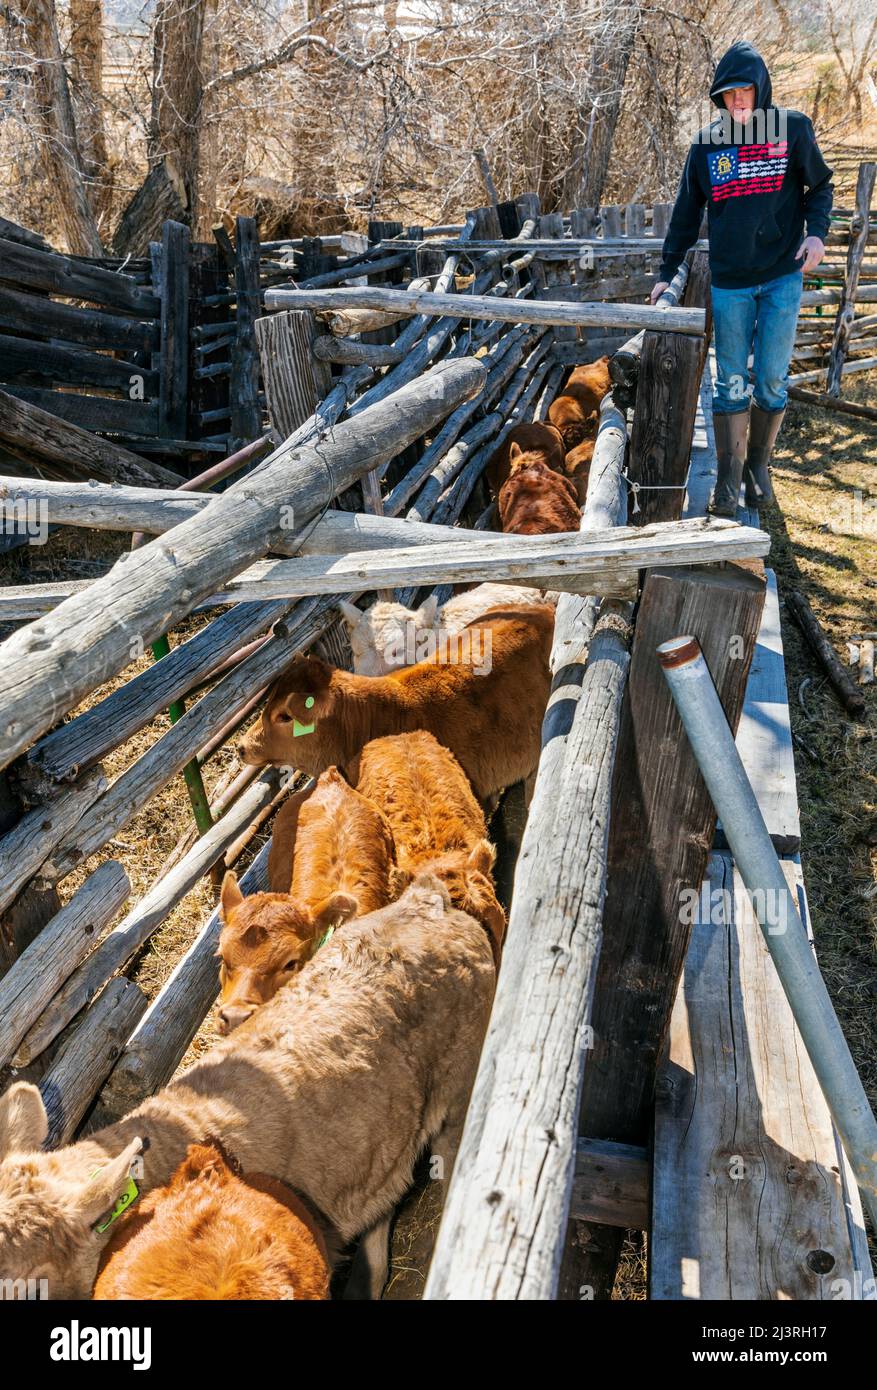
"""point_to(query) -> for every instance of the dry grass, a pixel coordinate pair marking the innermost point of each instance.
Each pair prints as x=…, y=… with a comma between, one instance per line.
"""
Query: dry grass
x=825, y=544
x=143, y=845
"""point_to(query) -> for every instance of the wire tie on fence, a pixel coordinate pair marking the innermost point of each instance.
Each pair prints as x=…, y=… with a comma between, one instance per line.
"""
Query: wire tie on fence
x=637, y=488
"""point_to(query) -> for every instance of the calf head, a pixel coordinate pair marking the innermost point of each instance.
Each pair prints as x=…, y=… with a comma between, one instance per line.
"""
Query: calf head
x=265, y=940
x=524, y=458
x=377, y=636
x=574, y=422
x=213, y=1233
x=468, y=877
x=51, y=1203
x=296, y=702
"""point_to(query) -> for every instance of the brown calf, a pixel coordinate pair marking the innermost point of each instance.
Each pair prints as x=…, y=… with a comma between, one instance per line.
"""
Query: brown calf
x=486, y=706
x=213, y=1234
x=590, y=382
x=535, y=501
x=577, y=466
x=543, y=441
x=437, y=824
x=344, y=864
x=576, y=411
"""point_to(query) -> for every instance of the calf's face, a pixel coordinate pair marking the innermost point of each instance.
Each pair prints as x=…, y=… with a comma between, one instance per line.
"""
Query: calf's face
x=296, y=702
x=51, y=1203
x=264, y=942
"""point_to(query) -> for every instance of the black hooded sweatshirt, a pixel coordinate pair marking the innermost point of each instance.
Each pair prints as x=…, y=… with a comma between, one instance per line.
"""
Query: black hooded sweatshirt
x=761, y=182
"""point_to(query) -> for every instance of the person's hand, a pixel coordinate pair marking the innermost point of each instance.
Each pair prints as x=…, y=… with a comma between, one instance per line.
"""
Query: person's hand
x=658, y=290
x=813, y=250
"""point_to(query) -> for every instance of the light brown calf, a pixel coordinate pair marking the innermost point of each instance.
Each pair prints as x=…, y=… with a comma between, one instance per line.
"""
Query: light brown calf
x=436, y=822
x=590, y=382
x=215, y=1234
x=343, y=864
x=576, y=411
x=577, y=465
x=535, y=501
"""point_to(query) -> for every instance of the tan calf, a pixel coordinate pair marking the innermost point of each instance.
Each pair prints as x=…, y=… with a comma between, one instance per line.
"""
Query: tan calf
x=436, y=822
x=334, y=1087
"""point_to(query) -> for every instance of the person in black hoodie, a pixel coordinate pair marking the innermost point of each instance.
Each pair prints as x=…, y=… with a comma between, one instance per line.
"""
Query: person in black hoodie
x=759, y=171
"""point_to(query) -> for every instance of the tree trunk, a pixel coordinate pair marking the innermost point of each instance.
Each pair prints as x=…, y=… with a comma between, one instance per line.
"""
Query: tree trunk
x=57, y=129
x=86, y=48
x=611, y=50
x=175, y=126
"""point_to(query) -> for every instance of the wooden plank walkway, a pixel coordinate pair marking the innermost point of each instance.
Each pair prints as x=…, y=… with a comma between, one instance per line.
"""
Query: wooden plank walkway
x=752, y=1193
x=747, y=1200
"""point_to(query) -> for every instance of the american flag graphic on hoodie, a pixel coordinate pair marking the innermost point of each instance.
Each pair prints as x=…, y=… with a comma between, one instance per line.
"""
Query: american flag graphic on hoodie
x=746, y=169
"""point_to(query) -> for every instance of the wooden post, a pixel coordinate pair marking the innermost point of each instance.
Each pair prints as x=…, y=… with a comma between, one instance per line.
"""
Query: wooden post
x=661, y=219
x=696, y=295
x=246, y=416
x=509, y=219
x=285, y=348
x=662, y=826
x=663, y=424
x=556, y=272
x=173, y=392
x=847, y=307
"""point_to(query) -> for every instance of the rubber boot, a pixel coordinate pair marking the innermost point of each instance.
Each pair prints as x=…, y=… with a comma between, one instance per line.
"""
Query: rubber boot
x=730, y=432
x=764, y=426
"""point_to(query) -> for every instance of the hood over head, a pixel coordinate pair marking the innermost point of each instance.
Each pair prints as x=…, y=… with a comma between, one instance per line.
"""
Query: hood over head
x=742, y=66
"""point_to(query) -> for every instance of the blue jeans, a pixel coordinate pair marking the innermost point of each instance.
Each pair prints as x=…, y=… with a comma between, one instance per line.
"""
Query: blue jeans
x=761, y=319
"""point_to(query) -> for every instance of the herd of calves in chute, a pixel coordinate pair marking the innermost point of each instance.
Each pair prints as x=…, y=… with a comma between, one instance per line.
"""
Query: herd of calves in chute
x=355, y=994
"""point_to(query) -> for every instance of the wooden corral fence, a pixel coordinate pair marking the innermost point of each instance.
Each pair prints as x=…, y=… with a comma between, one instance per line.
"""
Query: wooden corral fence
x=385, y=402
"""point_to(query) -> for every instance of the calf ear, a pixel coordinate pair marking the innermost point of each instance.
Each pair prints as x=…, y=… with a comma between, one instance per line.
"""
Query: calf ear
x=312, y=676
x=102, y=1191
x=23, y=1121
x=349, y=612
x=515, y=450
x=231, y=895
x=482, y=857
x=399, y=881
x=427, y=611
x=334, y=910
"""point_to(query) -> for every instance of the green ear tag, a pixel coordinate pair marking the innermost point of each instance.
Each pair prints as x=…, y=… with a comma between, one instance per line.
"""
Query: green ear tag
x=327, y=935
x=128, y=1196
x=299, y=729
